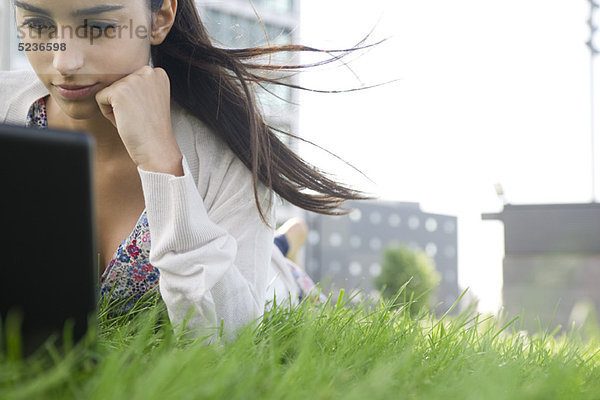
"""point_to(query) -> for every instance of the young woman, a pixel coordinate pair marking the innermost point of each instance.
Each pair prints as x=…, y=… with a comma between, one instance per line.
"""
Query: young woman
x=184, y=161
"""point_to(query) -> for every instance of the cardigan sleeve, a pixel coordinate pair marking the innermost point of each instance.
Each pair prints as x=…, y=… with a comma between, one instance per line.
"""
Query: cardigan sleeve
x=213, y=263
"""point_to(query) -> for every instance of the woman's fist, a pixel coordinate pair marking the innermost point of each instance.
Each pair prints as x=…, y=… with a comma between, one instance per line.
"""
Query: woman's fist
x=139, y=106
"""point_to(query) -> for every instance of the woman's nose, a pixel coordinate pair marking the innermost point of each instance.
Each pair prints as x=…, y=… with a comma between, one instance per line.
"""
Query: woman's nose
x=71, y=59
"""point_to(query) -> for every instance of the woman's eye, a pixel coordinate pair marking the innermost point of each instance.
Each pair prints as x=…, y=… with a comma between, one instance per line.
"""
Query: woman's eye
x=38, y=24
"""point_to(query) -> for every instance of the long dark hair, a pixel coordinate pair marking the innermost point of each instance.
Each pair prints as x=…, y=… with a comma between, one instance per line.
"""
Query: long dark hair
x=215, y=85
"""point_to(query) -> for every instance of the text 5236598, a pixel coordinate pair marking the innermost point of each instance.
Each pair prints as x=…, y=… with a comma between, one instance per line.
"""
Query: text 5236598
x=42, y=47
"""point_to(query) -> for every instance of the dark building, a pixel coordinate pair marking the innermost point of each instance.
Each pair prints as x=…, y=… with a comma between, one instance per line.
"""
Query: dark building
x=551, y=262
x=346, y=251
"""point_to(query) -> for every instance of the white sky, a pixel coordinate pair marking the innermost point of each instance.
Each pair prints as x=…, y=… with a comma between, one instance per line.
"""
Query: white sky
x=490, y=91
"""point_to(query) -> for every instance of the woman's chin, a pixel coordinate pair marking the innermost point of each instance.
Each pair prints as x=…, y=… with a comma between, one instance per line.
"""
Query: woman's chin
x=80, y=110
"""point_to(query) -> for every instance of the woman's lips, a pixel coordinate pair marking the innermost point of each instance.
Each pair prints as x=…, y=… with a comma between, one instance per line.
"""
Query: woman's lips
x=74, y=92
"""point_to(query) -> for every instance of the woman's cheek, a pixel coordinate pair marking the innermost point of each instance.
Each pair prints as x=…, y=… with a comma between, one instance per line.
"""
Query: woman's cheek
x=104, y=60
x=41, y=61
x=122, y=56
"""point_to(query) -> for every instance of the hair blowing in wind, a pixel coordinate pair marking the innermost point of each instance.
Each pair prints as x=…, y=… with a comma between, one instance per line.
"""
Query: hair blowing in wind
x=216, y=86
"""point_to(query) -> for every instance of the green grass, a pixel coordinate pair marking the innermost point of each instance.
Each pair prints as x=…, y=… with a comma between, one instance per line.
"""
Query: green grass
x=328, y=352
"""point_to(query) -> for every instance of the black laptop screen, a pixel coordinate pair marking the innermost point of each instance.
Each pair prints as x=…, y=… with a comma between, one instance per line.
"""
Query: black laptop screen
x=48, y=261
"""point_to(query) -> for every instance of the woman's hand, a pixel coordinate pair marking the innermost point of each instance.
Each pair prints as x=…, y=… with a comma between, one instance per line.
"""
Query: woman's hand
x=139, y=106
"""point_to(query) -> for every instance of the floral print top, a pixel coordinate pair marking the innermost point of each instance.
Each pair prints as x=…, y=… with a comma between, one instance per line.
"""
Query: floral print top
x=129, y=273
x=37, y=114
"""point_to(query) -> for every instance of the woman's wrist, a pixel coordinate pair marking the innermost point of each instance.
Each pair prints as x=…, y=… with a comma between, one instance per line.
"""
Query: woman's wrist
x=166, y=164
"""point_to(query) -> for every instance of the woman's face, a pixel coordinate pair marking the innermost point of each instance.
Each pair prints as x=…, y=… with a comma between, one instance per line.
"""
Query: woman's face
x=86, y=44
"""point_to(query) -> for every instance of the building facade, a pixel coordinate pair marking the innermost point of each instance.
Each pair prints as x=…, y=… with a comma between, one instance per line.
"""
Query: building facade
x=347, y=251
x=551, y=266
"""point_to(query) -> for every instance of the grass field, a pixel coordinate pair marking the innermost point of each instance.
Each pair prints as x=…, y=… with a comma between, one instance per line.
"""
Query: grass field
x=332, y=351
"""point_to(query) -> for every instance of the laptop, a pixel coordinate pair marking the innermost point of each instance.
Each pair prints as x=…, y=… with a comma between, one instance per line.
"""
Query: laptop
x=48, y=253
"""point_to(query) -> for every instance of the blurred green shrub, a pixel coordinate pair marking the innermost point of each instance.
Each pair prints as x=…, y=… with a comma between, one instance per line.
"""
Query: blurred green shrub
x=399, y=265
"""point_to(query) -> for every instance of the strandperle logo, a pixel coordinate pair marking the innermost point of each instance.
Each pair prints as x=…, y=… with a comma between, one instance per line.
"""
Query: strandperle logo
x=92, y=32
